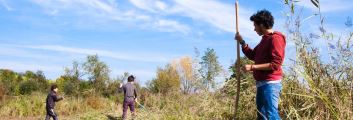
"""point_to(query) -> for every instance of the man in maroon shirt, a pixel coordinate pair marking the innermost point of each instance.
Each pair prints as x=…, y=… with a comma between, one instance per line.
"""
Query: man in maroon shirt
x=268, y=56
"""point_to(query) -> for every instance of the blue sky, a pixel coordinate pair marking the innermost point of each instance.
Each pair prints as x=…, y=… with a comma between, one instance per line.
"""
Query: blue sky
x=135, y=36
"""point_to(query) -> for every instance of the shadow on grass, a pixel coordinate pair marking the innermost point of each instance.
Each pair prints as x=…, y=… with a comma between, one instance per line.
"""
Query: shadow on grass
x=110, y=117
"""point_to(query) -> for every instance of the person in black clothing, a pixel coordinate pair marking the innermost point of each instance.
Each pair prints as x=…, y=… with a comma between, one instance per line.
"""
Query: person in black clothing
x=130, y=96
x=50, y=103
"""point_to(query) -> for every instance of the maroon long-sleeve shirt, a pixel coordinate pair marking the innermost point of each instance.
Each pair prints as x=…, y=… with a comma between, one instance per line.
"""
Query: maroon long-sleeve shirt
x=271, y=50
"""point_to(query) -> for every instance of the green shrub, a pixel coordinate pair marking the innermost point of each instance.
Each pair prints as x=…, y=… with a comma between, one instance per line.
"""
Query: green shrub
x=28, y=87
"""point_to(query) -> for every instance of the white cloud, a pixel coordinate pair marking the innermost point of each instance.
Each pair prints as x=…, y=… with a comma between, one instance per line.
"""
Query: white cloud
x=5, y=4
x=24, y=66
x=171, y=26
x=161, y=5
x=57, y=61
x=41, y=57
x=53, y=71
x=105, y=6
x=215, y=13
x=128, y=56
x=149, y=5
x=156, y=7
x=219, y=15
x=329, y=5
x=106, y=10
x=133, y=15
x=24, y=51
x=15, y=52
x=142, y=5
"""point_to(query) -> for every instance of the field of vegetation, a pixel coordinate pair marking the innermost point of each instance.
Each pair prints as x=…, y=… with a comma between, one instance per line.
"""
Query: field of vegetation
x=186, y=88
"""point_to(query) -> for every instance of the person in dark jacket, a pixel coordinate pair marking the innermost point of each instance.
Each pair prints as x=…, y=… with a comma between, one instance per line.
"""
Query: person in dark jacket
x=130, y=96
x=268, y=56
x=50, y=102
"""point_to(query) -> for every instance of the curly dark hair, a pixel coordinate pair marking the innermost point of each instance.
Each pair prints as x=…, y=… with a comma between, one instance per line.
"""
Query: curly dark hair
x=131, y=78
x=263, y=17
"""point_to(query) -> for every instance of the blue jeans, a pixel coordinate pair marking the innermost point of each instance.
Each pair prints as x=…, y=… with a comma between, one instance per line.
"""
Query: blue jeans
x=267, y=101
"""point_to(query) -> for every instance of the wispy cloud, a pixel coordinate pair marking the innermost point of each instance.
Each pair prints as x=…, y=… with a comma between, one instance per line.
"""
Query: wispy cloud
x=35, y=57
x=82, y=6
x=171, y=26
x=108, y=10
x=214, y=13
x=24, y=66
x=9, y=51
x=217, y=14
x=156, y=14
x=150, y=5
x=127, y=56
x=54, y=53
x=5, y=4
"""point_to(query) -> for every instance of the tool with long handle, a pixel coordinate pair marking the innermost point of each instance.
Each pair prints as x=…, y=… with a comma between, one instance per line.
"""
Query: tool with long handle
x=237, y=63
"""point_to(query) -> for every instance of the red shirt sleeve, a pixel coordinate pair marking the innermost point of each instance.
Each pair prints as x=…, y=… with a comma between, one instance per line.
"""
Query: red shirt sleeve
x=277, y=52
x=248, y=52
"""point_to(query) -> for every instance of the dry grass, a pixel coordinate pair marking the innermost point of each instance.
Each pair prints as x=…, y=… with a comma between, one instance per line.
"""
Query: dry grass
x=297, y=102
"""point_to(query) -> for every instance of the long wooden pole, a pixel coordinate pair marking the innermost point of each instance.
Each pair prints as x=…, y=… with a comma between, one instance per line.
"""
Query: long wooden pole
x=238, y=63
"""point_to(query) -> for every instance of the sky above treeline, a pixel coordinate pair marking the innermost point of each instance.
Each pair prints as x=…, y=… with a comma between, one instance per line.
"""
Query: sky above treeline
x=137, y=36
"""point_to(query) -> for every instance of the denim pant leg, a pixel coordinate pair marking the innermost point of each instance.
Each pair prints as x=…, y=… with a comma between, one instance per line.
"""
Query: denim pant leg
x=267, y=101
x=272, y=94
x=260, y=105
